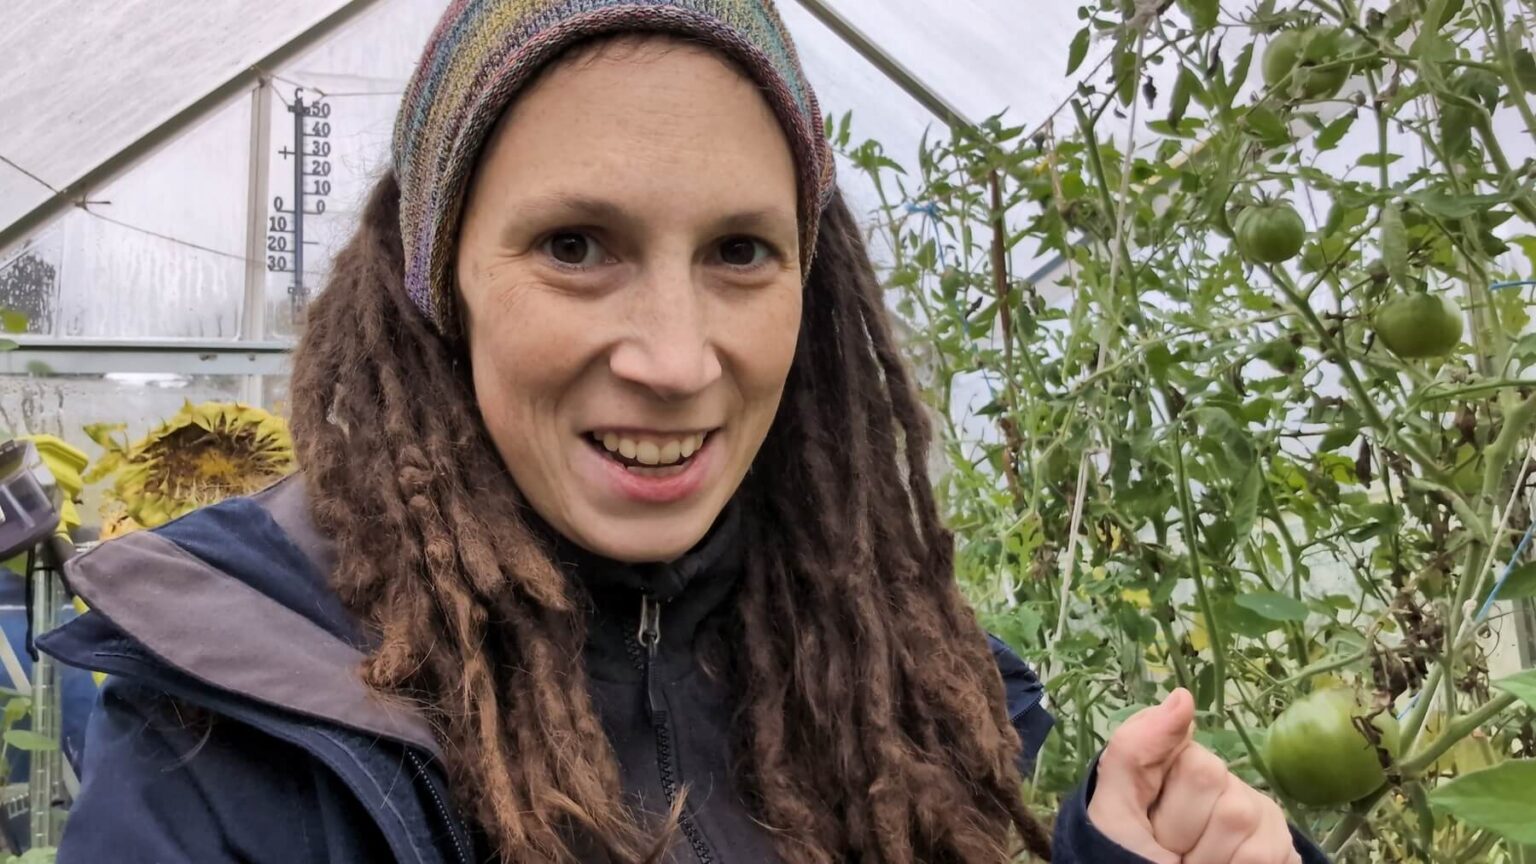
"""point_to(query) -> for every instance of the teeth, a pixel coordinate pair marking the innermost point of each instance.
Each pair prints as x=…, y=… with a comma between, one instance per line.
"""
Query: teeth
x=650, y=453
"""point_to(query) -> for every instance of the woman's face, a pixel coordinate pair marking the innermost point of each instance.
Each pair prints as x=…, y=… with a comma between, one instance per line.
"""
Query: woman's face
x=630, y=276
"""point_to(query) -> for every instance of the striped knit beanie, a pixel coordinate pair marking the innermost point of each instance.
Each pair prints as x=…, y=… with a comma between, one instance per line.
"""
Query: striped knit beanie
x=483, y=51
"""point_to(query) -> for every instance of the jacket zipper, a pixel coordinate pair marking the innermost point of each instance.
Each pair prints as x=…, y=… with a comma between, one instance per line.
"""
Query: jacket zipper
x=442, y=809
x=643, y=653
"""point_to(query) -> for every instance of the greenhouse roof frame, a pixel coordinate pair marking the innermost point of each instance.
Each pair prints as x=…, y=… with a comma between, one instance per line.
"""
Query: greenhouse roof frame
x=121, y=159
x=251, y=354
x=124, y=157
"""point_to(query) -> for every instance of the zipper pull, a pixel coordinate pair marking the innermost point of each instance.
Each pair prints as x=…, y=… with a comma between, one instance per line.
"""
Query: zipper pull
x=649, y=637
x=649, y=634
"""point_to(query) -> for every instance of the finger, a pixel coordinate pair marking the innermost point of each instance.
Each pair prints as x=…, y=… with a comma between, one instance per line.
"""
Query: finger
x=1236, y=817
x=1272, y=843
x=1279, y=831
x=1129, y=830
x=1195, y=783
x=1138, y=755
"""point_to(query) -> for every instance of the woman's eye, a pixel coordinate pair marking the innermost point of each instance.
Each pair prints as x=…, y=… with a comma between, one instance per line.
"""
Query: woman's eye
x=574, y=249
x=743, y=252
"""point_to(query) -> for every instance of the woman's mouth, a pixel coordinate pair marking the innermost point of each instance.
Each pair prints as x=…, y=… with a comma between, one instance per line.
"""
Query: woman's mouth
x=649, y=455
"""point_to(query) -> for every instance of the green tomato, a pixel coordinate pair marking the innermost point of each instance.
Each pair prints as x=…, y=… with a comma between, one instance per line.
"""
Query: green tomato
x=1419, y=325
x=1297, y=52
x=1270, y=233
x=1318, y=756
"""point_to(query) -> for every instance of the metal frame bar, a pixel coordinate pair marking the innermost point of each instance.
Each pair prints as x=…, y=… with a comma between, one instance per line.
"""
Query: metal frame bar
x=98, y=357
x=181, y=120
x=888, y=65
x=253, y=318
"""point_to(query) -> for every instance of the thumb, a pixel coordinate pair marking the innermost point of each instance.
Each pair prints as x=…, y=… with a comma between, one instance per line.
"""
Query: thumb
x=1140, y=753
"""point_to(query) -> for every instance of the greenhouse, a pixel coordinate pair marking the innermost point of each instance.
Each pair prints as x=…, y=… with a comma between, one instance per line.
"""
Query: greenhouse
x=1218, y=317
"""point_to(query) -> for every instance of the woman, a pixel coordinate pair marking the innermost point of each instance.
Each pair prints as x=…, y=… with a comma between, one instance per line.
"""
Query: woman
x=612, y=539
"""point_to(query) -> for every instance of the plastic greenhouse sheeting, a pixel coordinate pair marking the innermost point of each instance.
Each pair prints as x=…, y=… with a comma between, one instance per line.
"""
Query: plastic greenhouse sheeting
x=83, y=78
x=87, y=77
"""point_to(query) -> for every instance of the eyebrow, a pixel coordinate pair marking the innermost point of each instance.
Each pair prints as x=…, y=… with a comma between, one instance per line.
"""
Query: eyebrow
x=574, y=206
x=580, y=207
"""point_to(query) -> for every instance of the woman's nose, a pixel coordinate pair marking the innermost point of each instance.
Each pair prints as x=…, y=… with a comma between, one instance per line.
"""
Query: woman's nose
x=669, y=349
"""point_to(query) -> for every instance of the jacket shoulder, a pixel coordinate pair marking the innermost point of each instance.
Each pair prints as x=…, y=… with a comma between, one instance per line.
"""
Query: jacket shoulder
x=1025, y=695
x=165, y=782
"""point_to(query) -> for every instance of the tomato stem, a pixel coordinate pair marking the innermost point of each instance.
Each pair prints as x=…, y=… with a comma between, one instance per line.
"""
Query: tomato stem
x=1458, y=729
x=1346, y=828
x=1191, y=532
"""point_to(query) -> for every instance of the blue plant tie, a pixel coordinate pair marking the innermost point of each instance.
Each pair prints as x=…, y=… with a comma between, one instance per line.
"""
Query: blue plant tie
x=931, y=211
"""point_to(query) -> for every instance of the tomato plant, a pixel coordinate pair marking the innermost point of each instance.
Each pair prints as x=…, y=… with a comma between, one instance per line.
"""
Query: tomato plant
x=1187, y=445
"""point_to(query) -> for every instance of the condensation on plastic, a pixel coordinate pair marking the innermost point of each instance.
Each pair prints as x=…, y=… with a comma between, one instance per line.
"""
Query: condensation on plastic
x=188, y=282
x=64, y=405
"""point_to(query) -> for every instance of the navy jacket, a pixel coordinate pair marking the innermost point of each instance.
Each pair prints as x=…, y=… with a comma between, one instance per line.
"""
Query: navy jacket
x=234, y=727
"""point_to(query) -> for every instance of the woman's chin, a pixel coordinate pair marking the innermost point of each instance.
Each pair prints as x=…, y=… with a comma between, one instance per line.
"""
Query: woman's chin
x=644, y=540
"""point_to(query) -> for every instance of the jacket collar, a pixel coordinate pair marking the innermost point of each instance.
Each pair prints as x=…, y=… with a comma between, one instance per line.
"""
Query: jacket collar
x=690, y=589
x=237, y=597
x=226, y=598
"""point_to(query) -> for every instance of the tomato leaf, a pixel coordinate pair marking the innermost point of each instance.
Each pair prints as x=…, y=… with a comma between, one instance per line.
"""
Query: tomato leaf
x=1125, y=73
x=1500, y=799
x=1340, y=436
x=1521, y=686
x=1521, y=583
x=15, y=709
x=1019, y=626
x=1429, y=44
x=1274, y=606
x=1511, y=308
x=1202, y=13
x=1239, y=72
x=1334, y=132
x=1376, y=160
x=1267, y=127
x=1186, y=84
x=1437, y=203
x=1078, y=51
x=26, y=739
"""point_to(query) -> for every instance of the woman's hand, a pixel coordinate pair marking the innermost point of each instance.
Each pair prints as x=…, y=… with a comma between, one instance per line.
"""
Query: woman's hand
x=1171, y=801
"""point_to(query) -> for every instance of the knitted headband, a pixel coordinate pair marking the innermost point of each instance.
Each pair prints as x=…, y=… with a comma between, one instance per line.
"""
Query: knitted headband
x=483, y=51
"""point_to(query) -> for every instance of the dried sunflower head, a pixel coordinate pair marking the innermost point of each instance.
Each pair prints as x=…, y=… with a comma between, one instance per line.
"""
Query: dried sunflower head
x=204, y=454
